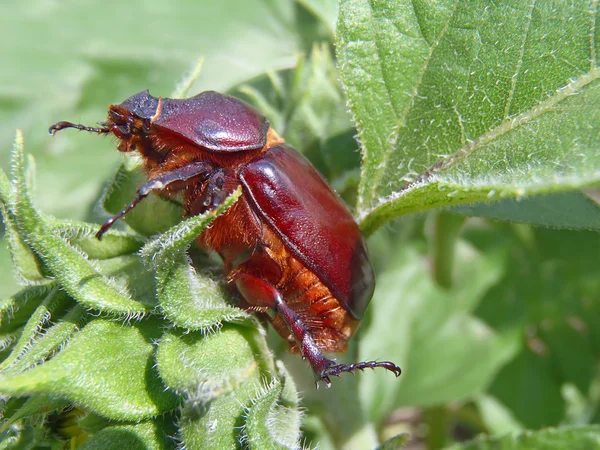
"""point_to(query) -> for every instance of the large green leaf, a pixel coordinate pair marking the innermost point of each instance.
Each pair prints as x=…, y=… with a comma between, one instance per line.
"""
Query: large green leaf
x=575, y=438
x=460, y=102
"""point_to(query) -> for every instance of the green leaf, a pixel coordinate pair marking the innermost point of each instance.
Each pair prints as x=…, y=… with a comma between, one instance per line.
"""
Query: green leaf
x=76, y=273
x=107, y=367
x=192, y=300
x=497, y=418
x=273, y=419
x=188, y=80
x=194, y=363
x=431, y=333
x=42, y=346
x=573, y=210
x=25, y=263
x=82, y=235
x=148, y=435
x=462, y=103
x=9, y=283
x=324, y=10
x=33, y=329
x=188, y=299
x=218, y=425
x=395, y=443
x=561, y=338
x=16, y=309
x=574, y=438
x=257, y=416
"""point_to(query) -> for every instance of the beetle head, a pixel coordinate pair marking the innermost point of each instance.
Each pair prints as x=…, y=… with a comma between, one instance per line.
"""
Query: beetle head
x=130, y=120
x=123, y=126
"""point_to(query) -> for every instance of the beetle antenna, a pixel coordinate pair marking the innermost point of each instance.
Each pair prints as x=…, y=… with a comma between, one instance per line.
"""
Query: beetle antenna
x=62, y=125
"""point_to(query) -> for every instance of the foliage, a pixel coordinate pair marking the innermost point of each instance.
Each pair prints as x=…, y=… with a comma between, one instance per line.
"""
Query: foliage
x=485, y=111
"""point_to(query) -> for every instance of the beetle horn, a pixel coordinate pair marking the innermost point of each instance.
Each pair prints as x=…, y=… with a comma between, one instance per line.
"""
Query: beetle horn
x=62, y=125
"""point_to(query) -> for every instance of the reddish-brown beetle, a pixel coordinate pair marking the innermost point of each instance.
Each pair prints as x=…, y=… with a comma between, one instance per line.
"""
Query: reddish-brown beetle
x=289, y=244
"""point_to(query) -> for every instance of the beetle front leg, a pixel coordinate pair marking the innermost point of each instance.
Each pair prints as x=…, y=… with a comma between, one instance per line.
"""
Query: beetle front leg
x=201, y=169
x=214, y=193
x=259, y=292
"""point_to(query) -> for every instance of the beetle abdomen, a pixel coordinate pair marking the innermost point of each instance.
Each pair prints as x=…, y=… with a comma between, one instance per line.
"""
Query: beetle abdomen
x=260, y=252
x=329, y=323
x=313, y=222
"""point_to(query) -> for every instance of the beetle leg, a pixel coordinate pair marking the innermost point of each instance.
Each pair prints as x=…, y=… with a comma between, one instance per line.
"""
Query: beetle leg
x=200, y=168
x=215, y=195
x=259, y=292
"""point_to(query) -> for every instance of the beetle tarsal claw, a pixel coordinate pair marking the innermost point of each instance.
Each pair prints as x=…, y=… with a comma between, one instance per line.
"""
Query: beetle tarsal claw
x=338, y=369
x=325, y=380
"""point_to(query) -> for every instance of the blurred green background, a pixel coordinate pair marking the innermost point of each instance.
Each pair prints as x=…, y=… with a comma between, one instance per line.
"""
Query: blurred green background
x=69, y=60
x=512, y=345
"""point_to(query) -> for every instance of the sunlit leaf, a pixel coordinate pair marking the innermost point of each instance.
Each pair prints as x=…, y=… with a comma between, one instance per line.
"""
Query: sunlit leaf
x=107, y=367
x=462, y=103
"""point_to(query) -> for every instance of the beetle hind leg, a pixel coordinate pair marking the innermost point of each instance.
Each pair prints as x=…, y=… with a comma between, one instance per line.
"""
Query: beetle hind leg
x=322, y=367
x=260, y=293
x=337, y=369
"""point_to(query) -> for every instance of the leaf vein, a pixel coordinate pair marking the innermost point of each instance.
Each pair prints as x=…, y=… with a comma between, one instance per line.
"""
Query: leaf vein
x=514, y=78
x=594, y=13
x=412, y=4
x=522, y=119
x=380, y=60
x=394, y=135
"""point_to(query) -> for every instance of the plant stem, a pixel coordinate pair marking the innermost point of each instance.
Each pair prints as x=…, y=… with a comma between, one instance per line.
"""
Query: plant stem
x=446, y=229
x=437, y=424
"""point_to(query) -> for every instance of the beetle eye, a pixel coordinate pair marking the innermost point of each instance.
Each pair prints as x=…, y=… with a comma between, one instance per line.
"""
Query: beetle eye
x=115, y=116
x=121, y=131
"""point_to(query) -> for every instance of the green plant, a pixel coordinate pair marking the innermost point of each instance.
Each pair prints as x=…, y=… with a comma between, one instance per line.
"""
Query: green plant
x=478, y=109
